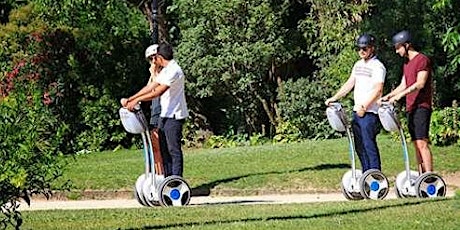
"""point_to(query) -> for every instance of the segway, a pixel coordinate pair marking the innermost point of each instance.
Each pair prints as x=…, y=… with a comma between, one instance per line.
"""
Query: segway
x=355, y=185
x=152, y=188
x=410, y=183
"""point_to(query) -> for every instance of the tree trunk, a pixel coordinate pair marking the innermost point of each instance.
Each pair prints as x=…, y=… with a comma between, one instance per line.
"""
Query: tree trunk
x=147, y=10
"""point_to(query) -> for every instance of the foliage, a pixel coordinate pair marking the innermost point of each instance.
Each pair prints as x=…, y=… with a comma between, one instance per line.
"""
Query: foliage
x=428, y=27
x=230, y=51
x=29, y=152
x=445, y=126
x=108, y=63
x=6, y=6
x=287, y=132
x=303, y=110
x=91, y=57
x=232, y=140
x=448, y=80
x=330, y=29
x=245, y=61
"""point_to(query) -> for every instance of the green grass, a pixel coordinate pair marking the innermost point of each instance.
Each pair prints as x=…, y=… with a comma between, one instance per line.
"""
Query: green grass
x=306, y=167
x=388, y=214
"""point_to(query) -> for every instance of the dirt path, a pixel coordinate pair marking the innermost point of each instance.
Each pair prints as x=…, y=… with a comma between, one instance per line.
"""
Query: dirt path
x=123, y=199
x=195, y=201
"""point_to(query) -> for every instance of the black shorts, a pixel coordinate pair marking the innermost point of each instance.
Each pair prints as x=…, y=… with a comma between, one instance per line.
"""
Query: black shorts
x=419, y=123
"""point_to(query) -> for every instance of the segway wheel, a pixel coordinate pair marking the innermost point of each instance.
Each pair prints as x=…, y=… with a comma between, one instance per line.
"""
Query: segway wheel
x=374, y=185
x=174, y=191
x=404, y=187
x=149, y=191
x=430, y=185
x=349, y=185
x=138, y=194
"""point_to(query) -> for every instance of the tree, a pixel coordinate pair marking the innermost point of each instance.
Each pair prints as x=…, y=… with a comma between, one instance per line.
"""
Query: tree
x=232, y=52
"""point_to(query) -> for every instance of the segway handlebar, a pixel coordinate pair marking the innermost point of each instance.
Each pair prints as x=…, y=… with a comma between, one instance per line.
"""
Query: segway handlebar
x=388, y=117
x=336, y=116
x=133, y=121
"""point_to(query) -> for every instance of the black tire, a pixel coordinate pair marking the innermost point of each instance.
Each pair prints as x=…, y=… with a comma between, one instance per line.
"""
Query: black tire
x=350, y=195
x=138, y=193
x=136, y=196
x=398, y=193
x=347, y=178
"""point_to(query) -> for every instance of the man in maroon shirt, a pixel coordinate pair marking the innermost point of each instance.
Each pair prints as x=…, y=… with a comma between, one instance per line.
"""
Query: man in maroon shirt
x=417, y=86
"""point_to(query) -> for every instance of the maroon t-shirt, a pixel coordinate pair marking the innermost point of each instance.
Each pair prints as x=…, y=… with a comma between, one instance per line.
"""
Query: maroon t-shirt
x=419, y=98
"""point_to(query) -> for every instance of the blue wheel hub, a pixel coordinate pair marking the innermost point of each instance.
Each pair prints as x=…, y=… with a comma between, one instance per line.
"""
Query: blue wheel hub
x=375, y=186
x=431, y=189
x=174, y=194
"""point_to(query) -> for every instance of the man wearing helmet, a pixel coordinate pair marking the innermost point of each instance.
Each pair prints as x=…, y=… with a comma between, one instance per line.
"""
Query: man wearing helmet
x=367, y=78
x=417, y=86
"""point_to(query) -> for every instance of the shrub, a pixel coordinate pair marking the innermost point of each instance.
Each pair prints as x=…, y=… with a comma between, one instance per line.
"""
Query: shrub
x=445, y=126
x=29, y=151
x=302, y=107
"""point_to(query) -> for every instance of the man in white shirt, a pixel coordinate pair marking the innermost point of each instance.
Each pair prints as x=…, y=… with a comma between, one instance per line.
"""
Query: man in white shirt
x=170, y=87
x=367, y=78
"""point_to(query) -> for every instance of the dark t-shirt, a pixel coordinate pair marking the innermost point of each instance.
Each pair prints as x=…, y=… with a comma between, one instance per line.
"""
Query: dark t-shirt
x=419, y=98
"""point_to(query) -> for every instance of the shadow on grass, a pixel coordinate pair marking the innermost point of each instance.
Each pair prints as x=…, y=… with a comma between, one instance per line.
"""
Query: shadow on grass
x=294, y=217
x=205, y=189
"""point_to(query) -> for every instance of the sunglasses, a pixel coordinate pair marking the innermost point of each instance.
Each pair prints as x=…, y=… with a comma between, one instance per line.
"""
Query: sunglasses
x=365, y=49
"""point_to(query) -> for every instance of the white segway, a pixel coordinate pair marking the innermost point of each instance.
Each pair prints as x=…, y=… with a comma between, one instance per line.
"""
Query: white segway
x=152, y=188
x=355, y=185
x=409, y=183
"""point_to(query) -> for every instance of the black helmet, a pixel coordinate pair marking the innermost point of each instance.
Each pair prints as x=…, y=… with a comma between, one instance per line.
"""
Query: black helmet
x=401, y=37
x=365, y=40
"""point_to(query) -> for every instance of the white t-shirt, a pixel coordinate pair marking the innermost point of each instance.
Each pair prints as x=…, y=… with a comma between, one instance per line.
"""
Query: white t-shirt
x=367, y=74
x=173, y=104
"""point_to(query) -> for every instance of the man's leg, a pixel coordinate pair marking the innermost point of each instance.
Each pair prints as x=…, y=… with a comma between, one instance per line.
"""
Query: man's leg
x=369, y=131
x=158, y=159
x=155, y=137
x=424, y=156
x=173, y=133
x=359, y=147
x=167, y=161
x=419, y=125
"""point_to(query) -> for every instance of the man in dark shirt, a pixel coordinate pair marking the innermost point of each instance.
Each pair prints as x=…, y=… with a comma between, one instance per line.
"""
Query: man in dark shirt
x=417, y=86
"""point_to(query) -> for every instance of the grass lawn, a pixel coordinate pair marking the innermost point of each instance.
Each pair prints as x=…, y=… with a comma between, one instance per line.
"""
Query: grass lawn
x=310, y=166
x=388, y=214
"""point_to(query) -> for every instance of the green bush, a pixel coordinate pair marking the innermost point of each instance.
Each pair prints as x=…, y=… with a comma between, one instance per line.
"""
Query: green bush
x=101, y=124
x=445, y=126
x=303, y=109
x=29, y=154
x=85, y=65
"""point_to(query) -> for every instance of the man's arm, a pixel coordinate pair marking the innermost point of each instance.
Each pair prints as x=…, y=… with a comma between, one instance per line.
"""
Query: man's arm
x=344, y=90
x=401, y=87
x=156, y=92
x=422, y=77
x=145, y=90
